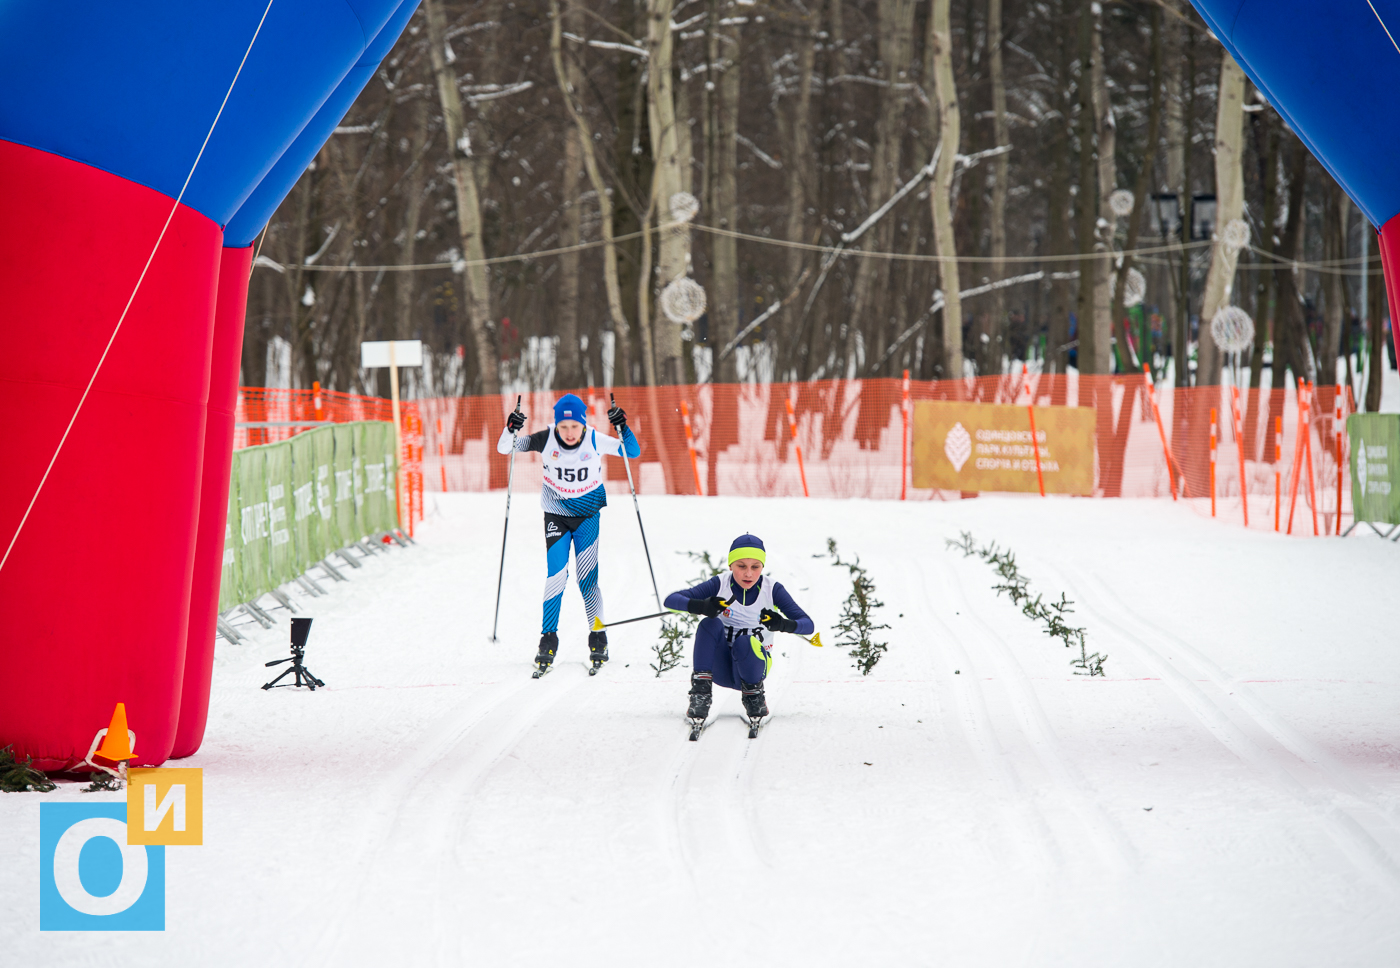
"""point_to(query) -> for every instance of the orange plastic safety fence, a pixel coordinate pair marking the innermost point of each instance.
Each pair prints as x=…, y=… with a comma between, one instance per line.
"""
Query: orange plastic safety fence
x=852, y=436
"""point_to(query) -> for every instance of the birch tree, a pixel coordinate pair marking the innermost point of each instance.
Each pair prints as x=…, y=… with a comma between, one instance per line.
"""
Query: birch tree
x=1229, y=206
x=943, y=112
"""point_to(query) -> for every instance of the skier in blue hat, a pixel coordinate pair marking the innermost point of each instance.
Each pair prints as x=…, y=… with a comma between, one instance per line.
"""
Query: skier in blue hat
x=743, y=608
x=572, y=495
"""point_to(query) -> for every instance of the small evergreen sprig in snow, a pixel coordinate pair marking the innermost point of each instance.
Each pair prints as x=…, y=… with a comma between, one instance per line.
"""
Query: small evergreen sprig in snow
x=857, y=622
x=1016, y=586
x=676, y=630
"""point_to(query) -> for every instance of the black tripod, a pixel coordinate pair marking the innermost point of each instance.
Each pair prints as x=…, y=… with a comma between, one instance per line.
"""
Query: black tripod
x=301, y=630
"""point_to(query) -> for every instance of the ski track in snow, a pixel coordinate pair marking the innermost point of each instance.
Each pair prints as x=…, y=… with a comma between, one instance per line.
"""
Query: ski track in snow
x=1014, y=802
x=1274, y=750
x=1112, y=843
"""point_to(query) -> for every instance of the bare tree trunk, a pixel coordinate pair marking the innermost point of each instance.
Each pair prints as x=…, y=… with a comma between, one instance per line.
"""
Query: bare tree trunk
x=1058, y=218
x=570, y=81
x=1140, y=189
x=1334, y=248
x=405, y=282
x=724, y=288
x=1375, y=331
x=800, y=180
x=1264, y=300
x=896, y=25
x=673, y=244
x=477, y=294
x=1097, y=143
x=567, y=369
x=944, y=113
x=1001, y=172
x=1229, y=205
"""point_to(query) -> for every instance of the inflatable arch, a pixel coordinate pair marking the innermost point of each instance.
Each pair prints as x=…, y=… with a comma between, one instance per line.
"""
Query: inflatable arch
x=1327, y=68
x=110, y=580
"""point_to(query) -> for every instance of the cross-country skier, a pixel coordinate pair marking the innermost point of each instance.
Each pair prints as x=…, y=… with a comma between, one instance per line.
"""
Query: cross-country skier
x=733, y=644
x=572, y=495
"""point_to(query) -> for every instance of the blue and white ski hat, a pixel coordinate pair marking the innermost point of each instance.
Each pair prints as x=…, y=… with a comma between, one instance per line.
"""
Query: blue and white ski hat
x=570, y=407
x=747, y=546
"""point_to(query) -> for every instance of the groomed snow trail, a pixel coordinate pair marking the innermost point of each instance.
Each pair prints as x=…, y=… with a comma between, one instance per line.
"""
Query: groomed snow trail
x=1227, y=795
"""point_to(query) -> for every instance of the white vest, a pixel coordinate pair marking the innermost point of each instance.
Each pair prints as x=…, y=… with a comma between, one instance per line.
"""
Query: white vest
x=740, y=616
x=573, y=473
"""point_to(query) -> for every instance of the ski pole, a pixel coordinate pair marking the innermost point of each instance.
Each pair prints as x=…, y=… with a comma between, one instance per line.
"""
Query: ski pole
x=510, y=479
x=598, y=624
x=640, y=527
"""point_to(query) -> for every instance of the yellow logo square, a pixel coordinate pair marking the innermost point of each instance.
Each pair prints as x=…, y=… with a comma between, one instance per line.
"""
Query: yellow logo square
x=165, y=806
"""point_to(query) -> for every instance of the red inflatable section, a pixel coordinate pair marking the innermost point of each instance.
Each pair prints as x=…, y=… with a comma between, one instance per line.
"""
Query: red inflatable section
x=1390, y=264
x=234, y=270
x=94, y=597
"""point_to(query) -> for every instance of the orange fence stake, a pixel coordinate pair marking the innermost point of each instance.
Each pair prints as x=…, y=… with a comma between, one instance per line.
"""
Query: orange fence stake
x=1341, y=464
x=1212, y=461
x=1237, y=423
x=1166, y=451
x=1307, y=440
x=1278, y=463
x=904, y=439
x=442, y=456
x=316, y=399
x=1035, y=441
x=792, y=425
x=690, y=445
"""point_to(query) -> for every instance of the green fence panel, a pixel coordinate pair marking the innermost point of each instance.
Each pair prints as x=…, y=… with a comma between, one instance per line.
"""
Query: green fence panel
x=358, y=469
x=325, y=487
x=249, y=472
x=344, y=522
x=391, y=479
x=306, y=522
x=1375, y=466
x=376, y=506
x=228, y=574
x=281, y=553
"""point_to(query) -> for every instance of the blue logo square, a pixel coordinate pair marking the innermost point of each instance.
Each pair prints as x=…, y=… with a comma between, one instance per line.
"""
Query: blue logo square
x=89, y=878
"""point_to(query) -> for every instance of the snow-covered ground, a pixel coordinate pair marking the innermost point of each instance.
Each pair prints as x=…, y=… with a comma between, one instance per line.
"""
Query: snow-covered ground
x=1228, y=795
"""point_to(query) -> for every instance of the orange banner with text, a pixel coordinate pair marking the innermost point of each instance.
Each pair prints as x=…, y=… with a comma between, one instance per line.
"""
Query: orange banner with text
x=987, y=447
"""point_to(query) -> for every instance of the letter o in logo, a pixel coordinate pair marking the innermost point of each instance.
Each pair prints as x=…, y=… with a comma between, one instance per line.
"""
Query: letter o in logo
x=70, y=884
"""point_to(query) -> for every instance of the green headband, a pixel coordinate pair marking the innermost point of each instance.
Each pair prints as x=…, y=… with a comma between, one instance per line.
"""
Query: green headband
x=738, y=553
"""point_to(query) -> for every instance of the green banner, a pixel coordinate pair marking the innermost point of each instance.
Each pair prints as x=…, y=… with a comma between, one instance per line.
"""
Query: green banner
x=228, y=573
x=1375, y=466
x=294, y=502
x=249, y=477
x=308, y=530
x=344, y=522
x=281, y=554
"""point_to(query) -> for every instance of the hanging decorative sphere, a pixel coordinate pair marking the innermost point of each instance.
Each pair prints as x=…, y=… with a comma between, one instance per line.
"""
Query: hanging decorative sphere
x=1232, y=329
x=683, y=300
x=1120, y=203
x=1236, y=234
x=1134, y=289
x=684, y=207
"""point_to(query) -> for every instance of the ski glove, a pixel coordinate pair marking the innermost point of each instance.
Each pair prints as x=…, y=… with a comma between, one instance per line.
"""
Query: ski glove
x=709, y=607
x=774, y=622
x=617, y=416
x=515, y=421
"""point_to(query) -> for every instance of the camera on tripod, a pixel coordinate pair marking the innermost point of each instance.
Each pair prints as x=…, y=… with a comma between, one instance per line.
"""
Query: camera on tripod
x=301, y=631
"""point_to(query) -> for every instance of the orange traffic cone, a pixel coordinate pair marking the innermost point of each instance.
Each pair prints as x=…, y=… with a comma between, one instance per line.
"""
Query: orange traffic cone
x=116, y=745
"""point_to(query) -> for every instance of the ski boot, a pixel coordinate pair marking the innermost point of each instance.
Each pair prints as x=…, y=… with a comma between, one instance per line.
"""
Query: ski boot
x=544, y=660
x=700, y=696
x=597, y=650
x=755, y=706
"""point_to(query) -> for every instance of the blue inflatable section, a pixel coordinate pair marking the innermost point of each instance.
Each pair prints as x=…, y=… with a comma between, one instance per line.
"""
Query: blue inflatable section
x=1330, y=70
x=254, y=213
x=133, y=88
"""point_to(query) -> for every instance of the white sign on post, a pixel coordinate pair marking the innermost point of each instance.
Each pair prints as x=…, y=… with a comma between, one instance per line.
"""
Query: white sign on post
x=394, y=354
x=406, y=352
